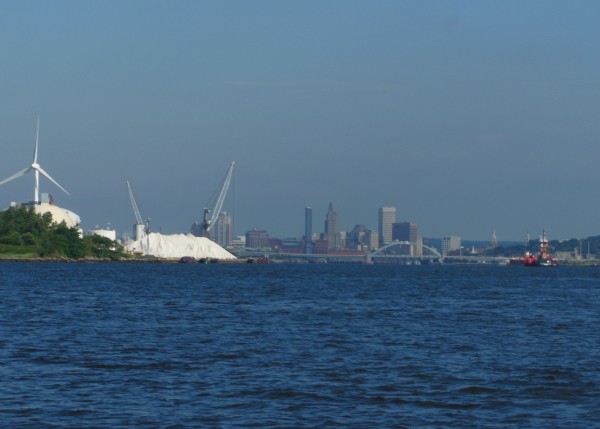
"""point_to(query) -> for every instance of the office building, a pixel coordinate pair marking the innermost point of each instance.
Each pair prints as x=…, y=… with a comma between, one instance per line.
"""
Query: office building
x=404, y=231
x=387, y=217
x=450, y=244
x=223, y=230
x=331, y=228
x=257, y=239
x=372, y=239
x=355, y=239
x=308, y=243
x=418, y=247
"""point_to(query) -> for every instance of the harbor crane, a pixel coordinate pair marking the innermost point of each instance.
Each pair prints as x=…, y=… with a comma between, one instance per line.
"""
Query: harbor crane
x=141, y=227
x=208, y=223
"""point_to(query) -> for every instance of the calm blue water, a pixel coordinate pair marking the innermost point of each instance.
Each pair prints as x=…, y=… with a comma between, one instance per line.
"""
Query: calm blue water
x=162, y=345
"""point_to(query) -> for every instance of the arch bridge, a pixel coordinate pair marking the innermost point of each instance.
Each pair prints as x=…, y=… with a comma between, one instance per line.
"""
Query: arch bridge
x=396, y=252
x=405, y=252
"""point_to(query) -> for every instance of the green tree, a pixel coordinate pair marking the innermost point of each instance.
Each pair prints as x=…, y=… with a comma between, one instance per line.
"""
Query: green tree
x=102, y=247
x=60, y=240
x=22, y=230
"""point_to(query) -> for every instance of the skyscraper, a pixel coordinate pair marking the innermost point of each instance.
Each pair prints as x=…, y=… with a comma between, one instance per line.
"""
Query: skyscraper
x=407, y=232
x=308, y=244
x=224, y=232
x=331, y=228
x=387, y=217
x=404, y=231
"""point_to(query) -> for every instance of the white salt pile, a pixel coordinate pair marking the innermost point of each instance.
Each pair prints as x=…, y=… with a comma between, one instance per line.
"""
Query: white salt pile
x=180, y=245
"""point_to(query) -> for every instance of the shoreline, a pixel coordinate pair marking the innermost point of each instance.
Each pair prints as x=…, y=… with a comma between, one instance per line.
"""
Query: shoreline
x=121, y=261
x=209, y=261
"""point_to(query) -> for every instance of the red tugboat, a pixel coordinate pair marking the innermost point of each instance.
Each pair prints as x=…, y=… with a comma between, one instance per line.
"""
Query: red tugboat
x=543, y=259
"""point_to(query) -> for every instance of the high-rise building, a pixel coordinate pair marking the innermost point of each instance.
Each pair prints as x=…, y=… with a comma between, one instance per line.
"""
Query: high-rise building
x=419, y=247
x=331, y=228
x=223, y=230
x=308, y=243
x=450, y=244
x=387, y=217
x=404, y=231
x=407, y=232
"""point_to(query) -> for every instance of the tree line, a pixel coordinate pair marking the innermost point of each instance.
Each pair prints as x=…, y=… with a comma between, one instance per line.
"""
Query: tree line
x=25, y=233
x=591, y=244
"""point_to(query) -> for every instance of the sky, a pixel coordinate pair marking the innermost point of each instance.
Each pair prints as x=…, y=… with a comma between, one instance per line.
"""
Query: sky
x=467, y=116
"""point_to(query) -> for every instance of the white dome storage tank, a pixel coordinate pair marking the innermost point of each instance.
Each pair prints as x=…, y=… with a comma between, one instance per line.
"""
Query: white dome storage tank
x=108, y=233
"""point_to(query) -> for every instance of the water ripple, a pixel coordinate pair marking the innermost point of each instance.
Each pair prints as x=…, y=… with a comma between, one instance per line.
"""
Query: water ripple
x=101, y=345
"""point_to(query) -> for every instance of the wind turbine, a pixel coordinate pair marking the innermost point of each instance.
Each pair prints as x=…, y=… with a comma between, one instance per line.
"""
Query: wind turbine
x=36, y=168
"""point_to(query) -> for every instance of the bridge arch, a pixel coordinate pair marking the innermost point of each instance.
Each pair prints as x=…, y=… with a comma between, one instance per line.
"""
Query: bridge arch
x=382, y=250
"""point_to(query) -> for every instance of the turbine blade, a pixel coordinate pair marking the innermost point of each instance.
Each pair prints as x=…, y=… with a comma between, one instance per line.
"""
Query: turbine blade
x=41, y=170
x=37, y=135
x=14, y=176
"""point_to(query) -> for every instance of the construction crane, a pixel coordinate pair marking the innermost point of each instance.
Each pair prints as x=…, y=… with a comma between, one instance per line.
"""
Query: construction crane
x=140, y=227
x=208, y=223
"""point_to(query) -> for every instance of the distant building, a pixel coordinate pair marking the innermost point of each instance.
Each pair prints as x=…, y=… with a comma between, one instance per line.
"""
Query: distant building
x=372, y=239
x=320, y=247
x=223, y=230
x=107, y=232
x=387, y=217
x=418, y=247
x=567, y=256
x=257, y=239
x=450, y=244
x=308, y=243
x=356, y=239
x=331, y=228
x=239, y=242
x=361, y=239
x=428, y=242
x=407, y=232
x=340, y=240
x=404, y=231
x=275, y=245
x=290, y=245
x=196, y=230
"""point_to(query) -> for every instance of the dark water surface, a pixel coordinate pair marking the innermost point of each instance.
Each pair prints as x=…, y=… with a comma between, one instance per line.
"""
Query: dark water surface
x=168, y=345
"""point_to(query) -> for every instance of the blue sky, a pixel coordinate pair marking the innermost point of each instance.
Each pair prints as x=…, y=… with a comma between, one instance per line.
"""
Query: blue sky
x=467, y=116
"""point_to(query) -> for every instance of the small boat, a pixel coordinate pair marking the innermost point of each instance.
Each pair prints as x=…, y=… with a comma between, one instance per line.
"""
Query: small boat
x=529, y=259
x=543, y=259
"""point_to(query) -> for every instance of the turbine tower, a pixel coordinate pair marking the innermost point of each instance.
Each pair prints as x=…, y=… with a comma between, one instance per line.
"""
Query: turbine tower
x=35, y=166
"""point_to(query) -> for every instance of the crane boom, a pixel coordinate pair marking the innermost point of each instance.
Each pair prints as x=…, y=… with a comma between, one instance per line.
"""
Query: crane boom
x=222, y=195
x=136, y=210
x=208, y=223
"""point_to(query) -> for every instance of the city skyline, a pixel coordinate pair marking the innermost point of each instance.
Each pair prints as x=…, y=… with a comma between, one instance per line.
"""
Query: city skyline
x=400, y=230
x=468, y=117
